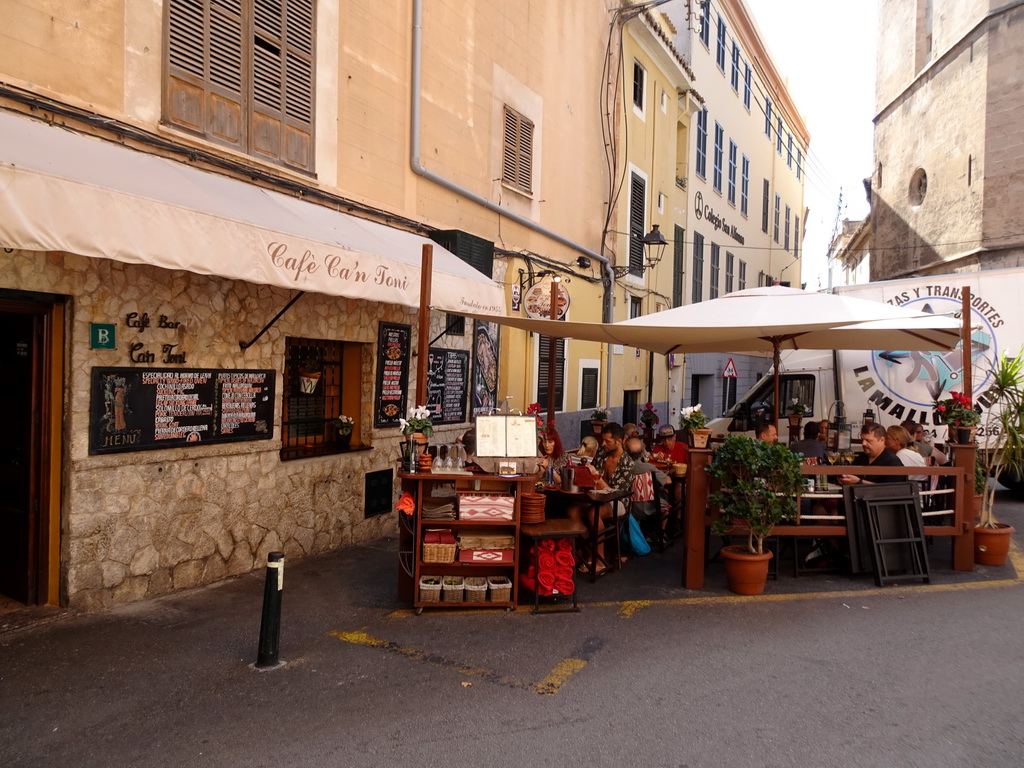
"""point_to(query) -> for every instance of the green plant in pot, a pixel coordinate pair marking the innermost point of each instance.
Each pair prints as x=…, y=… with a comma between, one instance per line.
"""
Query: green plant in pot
x=344, y=425
x=1004, y=426
x=693, y=421
x=758, y=485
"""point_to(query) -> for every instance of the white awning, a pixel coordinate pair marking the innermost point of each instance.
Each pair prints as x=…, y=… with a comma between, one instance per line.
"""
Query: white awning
x=61, y=191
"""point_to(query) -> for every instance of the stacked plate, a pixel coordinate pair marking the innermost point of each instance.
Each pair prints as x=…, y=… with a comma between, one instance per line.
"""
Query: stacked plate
x=531, y=508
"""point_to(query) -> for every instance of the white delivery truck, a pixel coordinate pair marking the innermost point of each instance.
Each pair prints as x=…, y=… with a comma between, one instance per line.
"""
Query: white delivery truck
x=892, y=385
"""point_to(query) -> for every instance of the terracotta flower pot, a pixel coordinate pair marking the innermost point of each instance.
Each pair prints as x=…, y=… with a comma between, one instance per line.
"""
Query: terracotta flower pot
x=992, y=545
x=597, y=426
x=794, y=419
x=746, y=573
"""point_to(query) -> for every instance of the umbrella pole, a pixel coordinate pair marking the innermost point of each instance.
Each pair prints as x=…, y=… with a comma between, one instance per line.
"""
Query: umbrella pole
x=776, y=357
x=552, y=357
x=965, y=341
x=423, y=345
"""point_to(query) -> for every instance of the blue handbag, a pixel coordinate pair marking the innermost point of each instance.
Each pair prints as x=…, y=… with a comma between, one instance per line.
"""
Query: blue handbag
x=634, y=538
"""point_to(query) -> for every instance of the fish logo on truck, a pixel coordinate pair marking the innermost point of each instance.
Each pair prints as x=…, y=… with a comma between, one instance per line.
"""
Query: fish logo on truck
x=904, y=384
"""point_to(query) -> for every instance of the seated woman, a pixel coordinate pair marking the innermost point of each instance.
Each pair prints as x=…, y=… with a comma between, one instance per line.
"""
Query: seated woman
x=552, y=456
x=588, y=447
x=899, y=441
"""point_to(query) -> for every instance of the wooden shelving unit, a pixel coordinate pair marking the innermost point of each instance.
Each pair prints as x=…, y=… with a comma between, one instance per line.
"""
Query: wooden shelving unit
x=411, y=529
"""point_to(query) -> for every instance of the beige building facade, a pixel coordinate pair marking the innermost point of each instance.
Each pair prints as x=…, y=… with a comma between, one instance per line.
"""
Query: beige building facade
x=949, y=170
x=365, y=129
x=745, y=182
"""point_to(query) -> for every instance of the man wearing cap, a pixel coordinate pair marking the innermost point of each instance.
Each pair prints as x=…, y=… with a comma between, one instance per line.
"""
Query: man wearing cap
x=669, y=448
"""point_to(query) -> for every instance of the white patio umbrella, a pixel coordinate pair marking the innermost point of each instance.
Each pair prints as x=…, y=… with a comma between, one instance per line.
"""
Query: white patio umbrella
x=763, y=321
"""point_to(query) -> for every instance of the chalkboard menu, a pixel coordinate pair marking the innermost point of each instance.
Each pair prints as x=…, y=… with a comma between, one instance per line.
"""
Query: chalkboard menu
x=392, y=374
x=141, y=409
x=447, y=385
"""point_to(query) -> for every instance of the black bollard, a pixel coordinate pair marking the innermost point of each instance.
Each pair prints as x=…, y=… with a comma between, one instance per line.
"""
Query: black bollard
x=270, y=622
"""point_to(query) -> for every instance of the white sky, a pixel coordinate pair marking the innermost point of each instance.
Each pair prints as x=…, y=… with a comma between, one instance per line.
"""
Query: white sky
x=826, y=49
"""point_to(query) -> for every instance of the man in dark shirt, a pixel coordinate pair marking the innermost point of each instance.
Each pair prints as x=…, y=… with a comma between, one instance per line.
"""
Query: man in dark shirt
x=811, y=447
x=872, y=438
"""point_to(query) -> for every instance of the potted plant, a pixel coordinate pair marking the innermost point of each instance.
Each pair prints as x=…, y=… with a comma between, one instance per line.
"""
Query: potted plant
x=796, y=412
x=1004, y=424
x=598, y=418
x=758, y=486
x=310, y=371
x=419, y=426
x=344, y=425
x=649, y=416
x=693, y=422
x=959, y=413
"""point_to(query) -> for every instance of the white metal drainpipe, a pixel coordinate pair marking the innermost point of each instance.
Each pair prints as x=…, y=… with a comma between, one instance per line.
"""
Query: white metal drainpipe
x=418, y=168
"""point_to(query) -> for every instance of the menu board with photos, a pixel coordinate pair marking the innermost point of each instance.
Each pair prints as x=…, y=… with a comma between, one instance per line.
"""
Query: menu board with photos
x=392, y=390
x=447, y=385
x=141, y=409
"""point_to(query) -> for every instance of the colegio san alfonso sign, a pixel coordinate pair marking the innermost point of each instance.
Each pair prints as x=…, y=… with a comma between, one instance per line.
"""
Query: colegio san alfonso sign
x=707, y=213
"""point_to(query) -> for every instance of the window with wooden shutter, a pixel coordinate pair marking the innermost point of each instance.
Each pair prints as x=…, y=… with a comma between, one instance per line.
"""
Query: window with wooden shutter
x=241, y=73
x=637, y=206
x=678, y=265
x=517, y=156
x=588, y=387
x=542, y=371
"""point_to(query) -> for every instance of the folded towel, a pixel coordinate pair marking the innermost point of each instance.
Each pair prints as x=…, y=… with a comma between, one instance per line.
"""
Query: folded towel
x=564, y=544
x=565, y=586
x=546, y=580
x=531, y=571
x=531, y=584
x=563, y=572
x=547, y=545
x=565, y=558
x=546, y=561
x=406, y=504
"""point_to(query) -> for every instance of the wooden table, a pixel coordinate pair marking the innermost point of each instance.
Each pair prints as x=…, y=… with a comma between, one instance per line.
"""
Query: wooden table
x=596, y=500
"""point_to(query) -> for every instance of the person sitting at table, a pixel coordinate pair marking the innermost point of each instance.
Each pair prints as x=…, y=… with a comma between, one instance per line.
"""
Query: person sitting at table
x=668, y=448
x=898, y=440
x=811, y=447
x=588, y=447
x=767, y=431
x=552, y=456
x=923, y=444
x=644, y=503
x=630, y=430
x=612, y=469
x=872, y=439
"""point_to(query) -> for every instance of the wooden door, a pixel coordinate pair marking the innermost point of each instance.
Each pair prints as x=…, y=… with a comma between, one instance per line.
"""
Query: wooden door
x=22, y=366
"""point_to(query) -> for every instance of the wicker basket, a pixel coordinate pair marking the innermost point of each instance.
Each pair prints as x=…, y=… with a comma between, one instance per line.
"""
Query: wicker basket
x=430, y=593
x=452, y=589
x=438, y=553
x=500, y=588
x=476, y=589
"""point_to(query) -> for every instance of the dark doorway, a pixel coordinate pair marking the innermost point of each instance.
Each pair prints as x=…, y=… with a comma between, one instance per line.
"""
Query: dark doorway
x=24, y=422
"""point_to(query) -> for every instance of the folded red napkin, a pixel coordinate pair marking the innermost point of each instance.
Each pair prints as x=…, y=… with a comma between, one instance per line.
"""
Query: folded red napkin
x=565, y=586
x=406, y=504
x=565, y=558
x=546, y=561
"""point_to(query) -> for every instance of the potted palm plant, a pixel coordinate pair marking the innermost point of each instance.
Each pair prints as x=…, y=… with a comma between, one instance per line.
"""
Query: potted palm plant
x=693, y=422
x=758, y=486
x=1004, y=425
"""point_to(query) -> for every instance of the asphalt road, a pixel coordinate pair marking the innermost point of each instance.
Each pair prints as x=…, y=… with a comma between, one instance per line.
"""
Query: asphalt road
x=821, y=670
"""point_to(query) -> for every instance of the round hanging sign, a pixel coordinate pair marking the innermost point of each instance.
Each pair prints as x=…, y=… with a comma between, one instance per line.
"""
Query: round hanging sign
x=537, y=302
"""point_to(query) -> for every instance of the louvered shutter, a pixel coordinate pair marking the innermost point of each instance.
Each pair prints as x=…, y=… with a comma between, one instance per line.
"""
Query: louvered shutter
x=678, y=265
x=637, y=206
x=542, y=372
x=588, y=388
x=517, y=152
x=204, y=91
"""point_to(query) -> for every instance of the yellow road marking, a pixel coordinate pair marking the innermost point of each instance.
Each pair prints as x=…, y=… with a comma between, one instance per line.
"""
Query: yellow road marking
x=563, y=670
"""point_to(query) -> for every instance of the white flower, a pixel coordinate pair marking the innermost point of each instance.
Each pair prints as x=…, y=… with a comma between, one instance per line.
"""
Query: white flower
x=420, y=412
x=403, y=423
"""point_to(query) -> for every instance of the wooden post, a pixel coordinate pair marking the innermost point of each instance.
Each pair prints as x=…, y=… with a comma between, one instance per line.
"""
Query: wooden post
x=965, y=341
x=695, y=511
x=552, y=358
x=963, y=542
x=423, y=340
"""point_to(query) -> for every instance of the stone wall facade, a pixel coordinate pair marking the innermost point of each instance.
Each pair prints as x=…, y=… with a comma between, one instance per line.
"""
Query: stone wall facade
x=135, y=525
